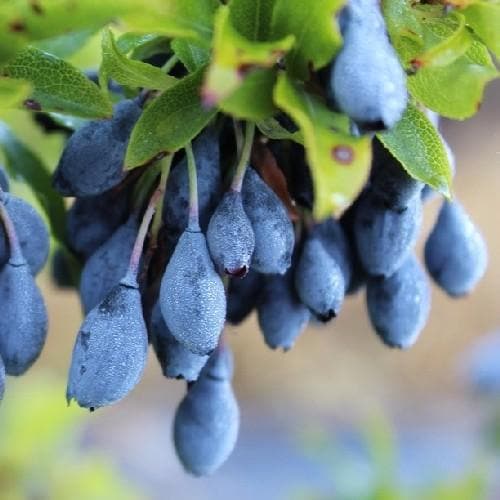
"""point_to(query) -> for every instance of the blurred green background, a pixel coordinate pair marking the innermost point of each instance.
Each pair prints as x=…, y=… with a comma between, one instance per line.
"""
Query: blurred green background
x=338, y=417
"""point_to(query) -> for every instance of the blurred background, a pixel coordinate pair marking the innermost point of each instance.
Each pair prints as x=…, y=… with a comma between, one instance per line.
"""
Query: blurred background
x=340, y=416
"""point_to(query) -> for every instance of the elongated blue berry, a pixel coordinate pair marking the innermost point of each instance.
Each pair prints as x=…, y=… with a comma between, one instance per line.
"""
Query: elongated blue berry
x=399, y=306
x=282, y=316
x=107, y=265
x=319, y=280
x=385, y=237
x=110, y=351
x=175, y=360
x=31, y=233
x=92, y=160
x=23, y=317
x=367, y=80
x=230, y=236
x=207, y=420
x=455, y=252
x=274, y=236
x=192, y=296
x=335, y=242
x=91, y=221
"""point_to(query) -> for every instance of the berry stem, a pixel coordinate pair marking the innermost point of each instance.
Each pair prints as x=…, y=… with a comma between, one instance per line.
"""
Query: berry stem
x=238, y=135
x=244, y=158
x=16, y=257
x=144, y=186
x=133, y=267
x=171, y=62
x=194, y=220
x=165, y=165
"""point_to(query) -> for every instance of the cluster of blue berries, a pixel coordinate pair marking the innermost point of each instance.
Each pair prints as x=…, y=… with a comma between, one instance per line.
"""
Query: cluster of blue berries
x=173, y=250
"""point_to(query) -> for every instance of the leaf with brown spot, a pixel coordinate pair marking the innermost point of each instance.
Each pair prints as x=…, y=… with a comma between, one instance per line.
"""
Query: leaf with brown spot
x=339, y=162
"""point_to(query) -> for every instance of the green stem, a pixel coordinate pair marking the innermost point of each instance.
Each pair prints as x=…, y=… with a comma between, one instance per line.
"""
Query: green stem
x=144, y=185
x=238, y=135
x=165, y=165
x=244, y=158
x=194, y=220
x=171, y=62
x=130, y=278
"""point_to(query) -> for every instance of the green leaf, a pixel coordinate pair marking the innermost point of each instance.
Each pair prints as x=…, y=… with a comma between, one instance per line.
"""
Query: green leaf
x=169, y=122
x=418, y=146
x=22, y=162
x=191, y=19
x=66, y=45
x=37, y=20
x=447, y=50
x=404, y=28
x=272, y=129
x=234, y=55
x=23, y=22
x=484, y=18
x=59, y=86
x=456, y=90
x=142, y=45
x=13, y=92
x=339, y=162
x=253, y=100
x=128, y=72
x=127, y=42
x=252, y=18
x=315, y=29
x=453, y=90
x=193, y=56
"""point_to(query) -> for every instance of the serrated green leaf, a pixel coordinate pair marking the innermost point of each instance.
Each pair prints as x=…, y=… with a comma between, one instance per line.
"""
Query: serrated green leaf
x=193, y=56
x=13, y=92
x=447, y=50
x=233, y=55
x=169, y=122
x=418, y=146
x=252, y=18
x=404, y=29
x=128, y=72
x=339, y=162
x=58, y=86
x=253, y=100
x=456, y=90
x=484, y=18
x=401, y=20
x=190, y=19
x=315, y=29
x=23, y=163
